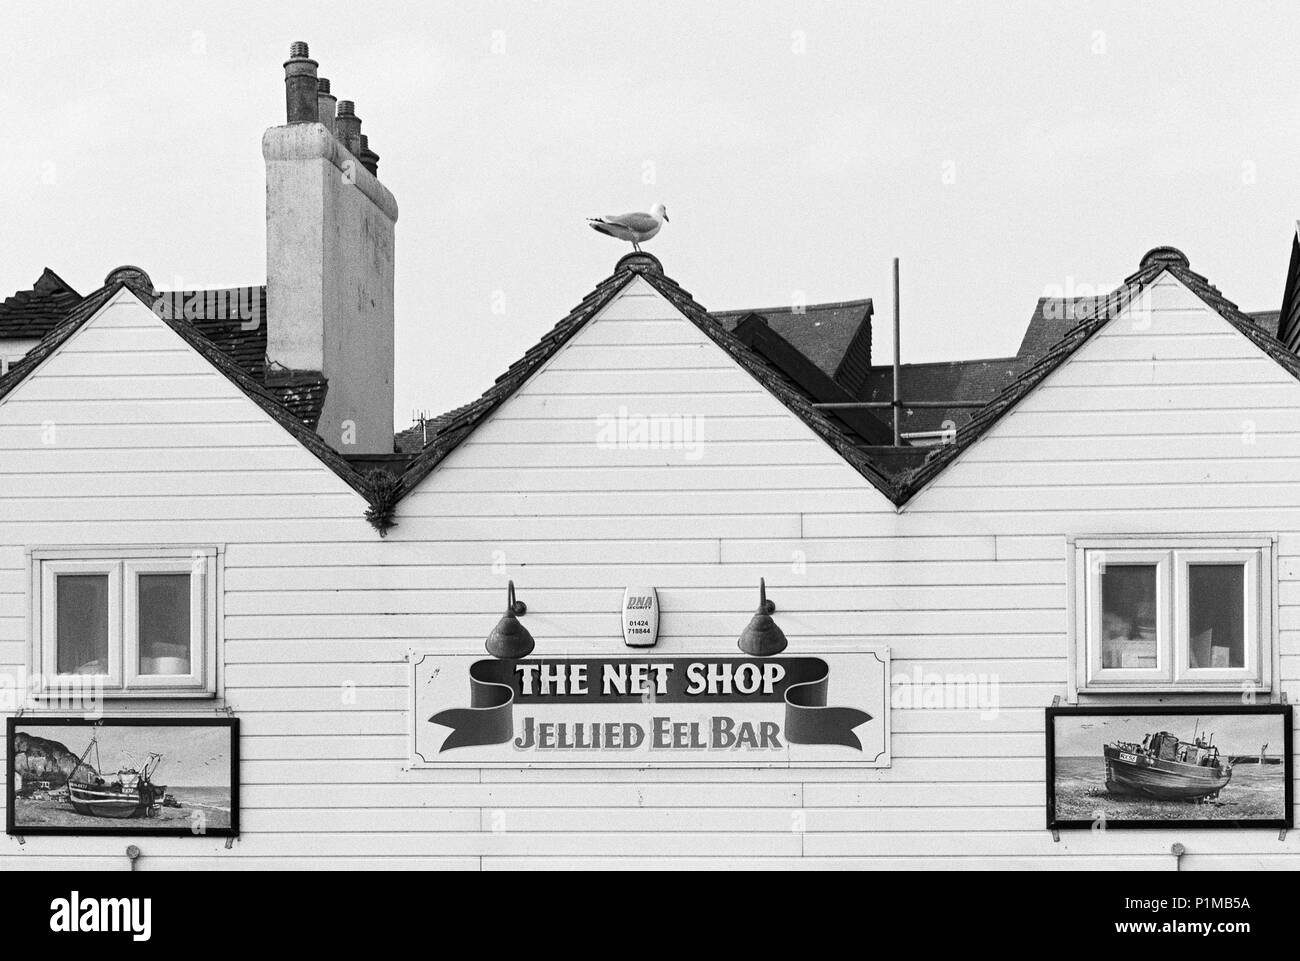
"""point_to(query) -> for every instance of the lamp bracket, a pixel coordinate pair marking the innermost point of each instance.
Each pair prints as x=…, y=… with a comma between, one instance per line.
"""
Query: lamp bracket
x=517, y=608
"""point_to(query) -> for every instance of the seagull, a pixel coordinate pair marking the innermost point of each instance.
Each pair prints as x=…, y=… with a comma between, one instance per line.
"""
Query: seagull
x=633, y=227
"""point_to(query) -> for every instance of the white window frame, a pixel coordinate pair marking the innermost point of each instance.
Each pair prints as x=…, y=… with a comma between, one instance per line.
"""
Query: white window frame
x=1098, y=560
x=1172, y=556
x=50, y=571
x=124, y=566
x=131, y=621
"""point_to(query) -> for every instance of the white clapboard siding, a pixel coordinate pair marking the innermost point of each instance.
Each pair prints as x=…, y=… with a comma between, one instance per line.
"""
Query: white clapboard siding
x=1170, y=422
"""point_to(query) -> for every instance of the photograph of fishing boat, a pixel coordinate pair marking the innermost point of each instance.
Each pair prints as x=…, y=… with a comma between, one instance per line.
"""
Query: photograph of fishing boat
x=136, y=776
x=1154, y=767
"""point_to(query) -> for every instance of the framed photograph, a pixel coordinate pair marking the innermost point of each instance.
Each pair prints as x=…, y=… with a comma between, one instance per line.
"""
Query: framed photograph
x=175, y=777
x=1168, y=767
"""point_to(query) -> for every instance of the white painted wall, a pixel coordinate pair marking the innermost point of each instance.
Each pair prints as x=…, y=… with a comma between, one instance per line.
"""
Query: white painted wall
x=1131, y=436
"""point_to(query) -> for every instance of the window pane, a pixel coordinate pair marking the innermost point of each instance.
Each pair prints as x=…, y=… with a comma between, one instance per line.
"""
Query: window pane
x=1216, y=614
x=164, y=628
x=1128, y=615
x=81, y=623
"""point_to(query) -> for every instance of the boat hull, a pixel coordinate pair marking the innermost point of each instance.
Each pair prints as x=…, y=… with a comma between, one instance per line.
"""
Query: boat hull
x=104, y=802
x=1140, y=776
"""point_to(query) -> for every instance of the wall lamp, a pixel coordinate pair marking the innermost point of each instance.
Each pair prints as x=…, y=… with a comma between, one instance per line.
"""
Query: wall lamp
x=762, y=638
x=510, y=639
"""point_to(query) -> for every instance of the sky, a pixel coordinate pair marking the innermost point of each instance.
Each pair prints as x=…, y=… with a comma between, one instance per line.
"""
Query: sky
x=1002, y=150
x=1084, y=736
x=192, y=756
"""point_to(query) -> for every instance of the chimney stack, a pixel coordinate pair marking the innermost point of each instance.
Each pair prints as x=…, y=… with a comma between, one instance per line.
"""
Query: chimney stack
x=325, y=103
x=329, y=262
x=300, y=85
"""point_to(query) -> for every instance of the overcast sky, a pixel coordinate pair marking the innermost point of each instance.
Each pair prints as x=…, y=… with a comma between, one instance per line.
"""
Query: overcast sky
x=1000, y=149
x=1084, y=736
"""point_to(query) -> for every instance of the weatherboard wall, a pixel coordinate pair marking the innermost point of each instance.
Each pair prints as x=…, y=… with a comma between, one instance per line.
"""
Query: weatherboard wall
x=1141, y=432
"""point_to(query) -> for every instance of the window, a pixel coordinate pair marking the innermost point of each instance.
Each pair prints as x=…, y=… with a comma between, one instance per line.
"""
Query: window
x=139, y=622
x=1189, y=614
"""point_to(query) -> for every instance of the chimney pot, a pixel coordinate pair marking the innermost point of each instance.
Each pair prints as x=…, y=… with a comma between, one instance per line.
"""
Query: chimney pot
x=369, y=159
x=347, y=127
x=300, y=85
x=325, y=102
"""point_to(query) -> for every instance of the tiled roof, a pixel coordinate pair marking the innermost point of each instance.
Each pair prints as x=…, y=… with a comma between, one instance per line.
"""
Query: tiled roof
x=420, y=434
x=34, y=313
x=232, y=318
x=835, y=336
x=456, y=427
x=1053, y=318
x=1266, y=320
x=962, y=380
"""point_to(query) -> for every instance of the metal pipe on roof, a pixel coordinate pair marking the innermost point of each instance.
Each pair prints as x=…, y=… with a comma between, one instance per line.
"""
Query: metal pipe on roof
x=896, y=403
x=916, y=404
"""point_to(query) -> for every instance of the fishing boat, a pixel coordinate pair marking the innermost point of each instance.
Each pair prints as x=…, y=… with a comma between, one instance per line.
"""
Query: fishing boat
x=1167, y=769
x=128, y=793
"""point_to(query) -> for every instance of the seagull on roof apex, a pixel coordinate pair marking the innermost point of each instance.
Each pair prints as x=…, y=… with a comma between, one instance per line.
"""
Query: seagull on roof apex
x=634, y=227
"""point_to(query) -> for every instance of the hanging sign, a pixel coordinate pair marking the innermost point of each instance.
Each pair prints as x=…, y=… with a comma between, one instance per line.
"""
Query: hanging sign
x=815, y=709
x=640, y=616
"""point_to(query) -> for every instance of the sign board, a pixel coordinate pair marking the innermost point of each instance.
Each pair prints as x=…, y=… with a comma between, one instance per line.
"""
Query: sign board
x=640, y=616
x=811, y=709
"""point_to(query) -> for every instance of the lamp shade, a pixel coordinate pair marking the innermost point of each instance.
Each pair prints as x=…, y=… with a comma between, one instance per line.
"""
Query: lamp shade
x=510, y=639
x=762, y=637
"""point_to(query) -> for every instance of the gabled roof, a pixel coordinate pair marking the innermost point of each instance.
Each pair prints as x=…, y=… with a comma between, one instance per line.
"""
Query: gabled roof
x=256, y=392
x=1102, y=311
x=796, y=381
x=233, y=319
x=834, y=336
x=461, y=424
x=34, y=313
